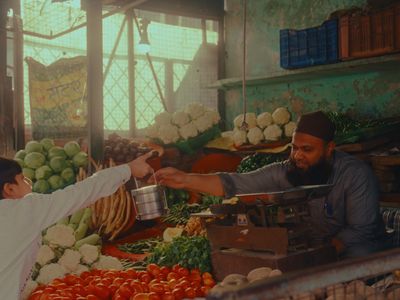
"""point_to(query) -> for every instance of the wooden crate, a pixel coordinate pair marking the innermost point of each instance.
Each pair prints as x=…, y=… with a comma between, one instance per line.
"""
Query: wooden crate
x=369, y=35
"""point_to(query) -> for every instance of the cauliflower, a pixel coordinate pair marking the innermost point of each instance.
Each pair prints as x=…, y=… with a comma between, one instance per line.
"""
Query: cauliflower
x=251, y=120
x=290, y=128
x=60, y=235
x=163, y=119
x=272, y=132
x=180, y=118
x=227, y=134
x=80, y=269
x=188, y=130
x=45, y=255
x=203, y=123
x=108, y=263
x=152, y=131
x=169, y=134
x=239, y=137
x=89, y=253
x=70, y=259
x=213, y=116
x=50, y=272
x=255, y=135
x=195, y=110
x=264, y=119
x=281, y=116
x=28, y=289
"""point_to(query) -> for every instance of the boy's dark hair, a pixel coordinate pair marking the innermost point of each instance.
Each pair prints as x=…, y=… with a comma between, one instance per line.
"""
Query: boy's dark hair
x=9, y=168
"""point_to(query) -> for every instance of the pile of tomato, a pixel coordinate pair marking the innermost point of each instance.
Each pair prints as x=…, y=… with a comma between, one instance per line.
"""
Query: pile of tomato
x=155, y=283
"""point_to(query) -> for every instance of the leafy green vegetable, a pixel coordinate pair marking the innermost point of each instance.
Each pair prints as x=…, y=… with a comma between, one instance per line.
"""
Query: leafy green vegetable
x=140, y=247
x=189, y=252
x=258, y=160
x=180, y=213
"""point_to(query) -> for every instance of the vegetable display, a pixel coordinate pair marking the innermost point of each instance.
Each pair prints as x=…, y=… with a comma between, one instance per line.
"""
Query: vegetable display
x=140, y=247
x=122, y=150
x=189, y=252
x=265, y=127
x=51, y=167
x=258, y=160
x=175, y=283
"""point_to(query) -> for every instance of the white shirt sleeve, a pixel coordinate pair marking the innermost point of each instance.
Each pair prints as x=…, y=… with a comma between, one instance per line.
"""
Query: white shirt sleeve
x=46, y=209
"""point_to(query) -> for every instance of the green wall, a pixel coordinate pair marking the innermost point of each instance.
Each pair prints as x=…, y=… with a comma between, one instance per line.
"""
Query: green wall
x=371, y=93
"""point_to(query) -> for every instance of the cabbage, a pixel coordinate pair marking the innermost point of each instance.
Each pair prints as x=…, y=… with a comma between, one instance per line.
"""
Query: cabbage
x=34, y=146
x=80, y=159
x=34, y=160
x=20, y=162
x=56, y=151
x=41, y=186
x=71, y=148
x=47, y=143
x=20, y=154
x=68, y=175
x=56, y=182
x=43, y=172
x=28, y=173
x=58, y=164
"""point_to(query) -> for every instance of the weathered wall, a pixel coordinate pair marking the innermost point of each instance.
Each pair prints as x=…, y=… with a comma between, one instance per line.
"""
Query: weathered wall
x=367, y=94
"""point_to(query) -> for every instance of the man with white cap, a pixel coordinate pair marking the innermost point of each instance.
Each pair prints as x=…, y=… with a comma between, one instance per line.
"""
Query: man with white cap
x=348, y=216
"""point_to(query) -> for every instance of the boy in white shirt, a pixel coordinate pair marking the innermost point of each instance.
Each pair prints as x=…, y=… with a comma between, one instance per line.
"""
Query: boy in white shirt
x=23, y=214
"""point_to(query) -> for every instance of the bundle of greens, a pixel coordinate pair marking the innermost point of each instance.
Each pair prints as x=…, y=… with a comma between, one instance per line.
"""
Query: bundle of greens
x=258, y=160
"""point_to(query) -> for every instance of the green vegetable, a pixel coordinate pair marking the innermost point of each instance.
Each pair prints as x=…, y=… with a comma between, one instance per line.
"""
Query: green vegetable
x=258, y=160
x=176, y=196
x=56, y=182
x=29, y=173
x=92, y=239
x=63, y=221
x=34, y=160
x=180, y=213
x=44, y=172
x=20, y=154
x=72, y=148
x=41, y=186
x=34, y=146
x=80, y=159
x=68, y=175
x=189, y=252
x=56, y=151
x=57, y=163
x=140, y=247
x=47, y=144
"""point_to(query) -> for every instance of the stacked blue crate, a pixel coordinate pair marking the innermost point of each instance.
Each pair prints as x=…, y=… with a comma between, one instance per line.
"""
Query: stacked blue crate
x=311, y=46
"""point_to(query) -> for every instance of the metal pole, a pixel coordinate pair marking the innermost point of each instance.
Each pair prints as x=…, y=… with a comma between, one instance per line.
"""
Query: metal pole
x=114, y=50
x=19, y=118
x=221, y=71
x=160, y=93
x=3, y=72
x=204, y=30
x=95, y=78
x=169, y=85
x=131, y=74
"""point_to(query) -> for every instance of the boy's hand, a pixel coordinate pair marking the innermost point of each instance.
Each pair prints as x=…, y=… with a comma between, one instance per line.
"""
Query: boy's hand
x=139, y=166
x=171, y=177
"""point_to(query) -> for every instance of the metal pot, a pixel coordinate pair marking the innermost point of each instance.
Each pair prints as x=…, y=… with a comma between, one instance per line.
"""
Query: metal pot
x=149, y=202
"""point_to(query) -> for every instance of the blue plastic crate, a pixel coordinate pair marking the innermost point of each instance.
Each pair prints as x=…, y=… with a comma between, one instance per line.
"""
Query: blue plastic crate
x=309, y=47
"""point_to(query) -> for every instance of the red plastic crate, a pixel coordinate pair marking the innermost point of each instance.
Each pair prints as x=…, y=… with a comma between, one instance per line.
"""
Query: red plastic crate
x=369, y=35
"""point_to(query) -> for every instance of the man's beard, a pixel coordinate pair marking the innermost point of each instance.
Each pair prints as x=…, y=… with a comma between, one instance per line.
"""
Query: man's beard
x=316, y=174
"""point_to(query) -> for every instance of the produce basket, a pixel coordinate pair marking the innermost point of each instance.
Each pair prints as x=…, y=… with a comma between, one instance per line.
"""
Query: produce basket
x=310, y=46
x=370, y=35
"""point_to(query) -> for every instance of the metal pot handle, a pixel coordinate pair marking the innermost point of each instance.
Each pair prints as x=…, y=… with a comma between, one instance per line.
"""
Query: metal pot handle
x=152, y=171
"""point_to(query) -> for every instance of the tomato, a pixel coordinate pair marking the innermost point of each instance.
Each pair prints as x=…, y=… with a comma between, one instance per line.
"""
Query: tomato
x=145, y=287
x=183, y=284
x=167, y=296
x=118, y=280
x=145, y=278
x=172, y=283
x=132, y=273
x=153, y=269
x=206, y=275
x=156, y=288
x=136, y=286
x=140, y=296
x=190, y=292
x=178, y=293
x=36, y=295
x=209, y=282
x=172, y=275
x=205, y=290
x=195, y=283
x=183, y=271
x=165, y=270
x=102, y=291
x=125, y=290
x=92, y=297
x=195, y=277
x=175, y=268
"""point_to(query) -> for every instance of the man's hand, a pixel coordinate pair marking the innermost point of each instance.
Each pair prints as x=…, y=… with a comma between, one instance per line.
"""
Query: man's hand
x=171, y=177
x=139, y=166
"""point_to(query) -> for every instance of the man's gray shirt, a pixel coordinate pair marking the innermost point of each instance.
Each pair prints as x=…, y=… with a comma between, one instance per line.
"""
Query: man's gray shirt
x=350, y=212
